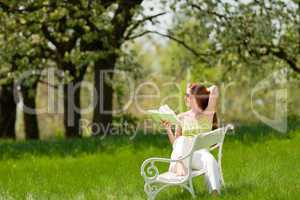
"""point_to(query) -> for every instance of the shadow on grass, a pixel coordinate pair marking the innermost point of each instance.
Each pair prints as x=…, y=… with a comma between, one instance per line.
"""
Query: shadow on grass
x=238, y=190
x=247, y=133
x=75, y=147
x=260, y=133
x=231, y=191
x=57, y=147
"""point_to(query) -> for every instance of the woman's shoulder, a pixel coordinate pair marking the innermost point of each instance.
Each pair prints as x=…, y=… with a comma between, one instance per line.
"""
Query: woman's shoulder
x=182, y=115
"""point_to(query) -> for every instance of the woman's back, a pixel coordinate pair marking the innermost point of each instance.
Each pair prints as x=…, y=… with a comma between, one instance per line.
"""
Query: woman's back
x=191, y=125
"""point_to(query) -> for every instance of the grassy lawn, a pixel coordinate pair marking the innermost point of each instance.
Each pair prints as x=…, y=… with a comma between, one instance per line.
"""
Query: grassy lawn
x=258, y=164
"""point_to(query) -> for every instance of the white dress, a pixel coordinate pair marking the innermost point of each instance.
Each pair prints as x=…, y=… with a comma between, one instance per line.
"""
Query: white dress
x=202, y=159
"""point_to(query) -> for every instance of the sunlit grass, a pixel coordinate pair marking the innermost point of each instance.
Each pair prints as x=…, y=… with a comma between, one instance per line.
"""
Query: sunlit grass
x=258, y=164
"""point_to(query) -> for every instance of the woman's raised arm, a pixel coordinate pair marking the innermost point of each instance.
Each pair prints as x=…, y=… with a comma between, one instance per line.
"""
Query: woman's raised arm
x=213, y=98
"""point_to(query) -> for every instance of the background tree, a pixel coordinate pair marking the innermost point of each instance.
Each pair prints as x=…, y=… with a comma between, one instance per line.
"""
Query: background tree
x=254, y=30
x=91, y=33
x=79, y=34
x=19, y=54
x=213, y=35
x=7, y=103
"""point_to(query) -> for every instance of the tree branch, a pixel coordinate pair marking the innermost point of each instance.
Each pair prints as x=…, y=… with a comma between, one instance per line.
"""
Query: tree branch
x=284, y=56
x=30, y=8
x=47, y=83
x=4, y=6
x=47, y=35
x=221, y=16
x=278, y=52
x=106, y=3
x=139, y=22
x=182, y=43
x=122, y=17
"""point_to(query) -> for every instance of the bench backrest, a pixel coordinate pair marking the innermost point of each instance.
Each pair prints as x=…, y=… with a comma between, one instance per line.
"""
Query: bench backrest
x=209, y=139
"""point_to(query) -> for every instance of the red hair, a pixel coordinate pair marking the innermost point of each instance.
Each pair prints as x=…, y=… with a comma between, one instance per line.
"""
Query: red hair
x=202, y=97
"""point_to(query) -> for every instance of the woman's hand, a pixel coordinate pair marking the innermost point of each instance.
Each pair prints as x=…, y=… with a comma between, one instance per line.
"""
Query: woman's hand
x=166, y=124
x=168, y=127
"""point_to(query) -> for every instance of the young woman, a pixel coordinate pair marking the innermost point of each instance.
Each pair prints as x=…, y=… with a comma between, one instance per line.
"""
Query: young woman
x=200, y=118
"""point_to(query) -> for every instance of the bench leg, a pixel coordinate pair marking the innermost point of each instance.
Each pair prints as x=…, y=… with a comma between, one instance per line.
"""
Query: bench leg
x=221, y=176
x=192, y=188
x=151, y=196
x=189, y=186
x=152, y=190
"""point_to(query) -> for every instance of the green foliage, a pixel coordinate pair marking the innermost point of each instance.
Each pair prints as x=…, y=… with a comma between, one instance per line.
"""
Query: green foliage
x=73, y=35
x=21, y=50
x=257, y=32
x=126, y=121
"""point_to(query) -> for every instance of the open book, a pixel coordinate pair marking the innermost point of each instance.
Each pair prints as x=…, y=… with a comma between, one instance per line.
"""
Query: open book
x=164, y=113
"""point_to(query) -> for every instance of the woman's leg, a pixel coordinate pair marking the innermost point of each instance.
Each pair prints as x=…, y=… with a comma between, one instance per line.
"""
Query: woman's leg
x=176, y=153
x=180, y=169
x=203, y=159
x=181, y=147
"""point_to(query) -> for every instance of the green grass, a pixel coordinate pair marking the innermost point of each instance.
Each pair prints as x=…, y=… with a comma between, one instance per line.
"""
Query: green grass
x=258, y=164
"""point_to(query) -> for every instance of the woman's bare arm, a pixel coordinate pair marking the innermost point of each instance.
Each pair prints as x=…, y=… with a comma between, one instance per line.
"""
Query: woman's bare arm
x=170, y=133
x=213, y=98
x=177, y=131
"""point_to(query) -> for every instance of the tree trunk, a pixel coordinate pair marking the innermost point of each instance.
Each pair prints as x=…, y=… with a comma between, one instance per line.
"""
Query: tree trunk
x=102, y=119
x=8, y=111
x=29, y=111
x=72, y=115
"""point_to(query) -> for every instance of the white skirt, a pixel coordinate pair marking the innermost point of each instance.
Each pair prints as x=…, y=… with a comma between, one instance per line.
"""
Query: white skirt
x=202, y=159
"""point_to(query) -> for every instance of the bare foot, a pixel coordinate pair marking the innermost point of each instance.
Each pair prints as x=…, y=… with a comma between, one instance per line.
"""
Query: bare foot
x=215, y=193
x=180, y=169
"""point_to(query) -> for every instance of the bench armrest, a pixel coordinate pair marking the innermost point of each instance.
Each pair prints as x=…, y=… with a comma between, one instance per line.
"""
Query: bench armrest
x=229, y=127
x=150, y=172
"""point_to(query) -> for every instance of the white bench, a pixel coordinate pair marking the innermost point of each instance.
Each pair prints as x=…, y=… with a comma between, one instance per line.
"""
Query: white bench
x=156, y=181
